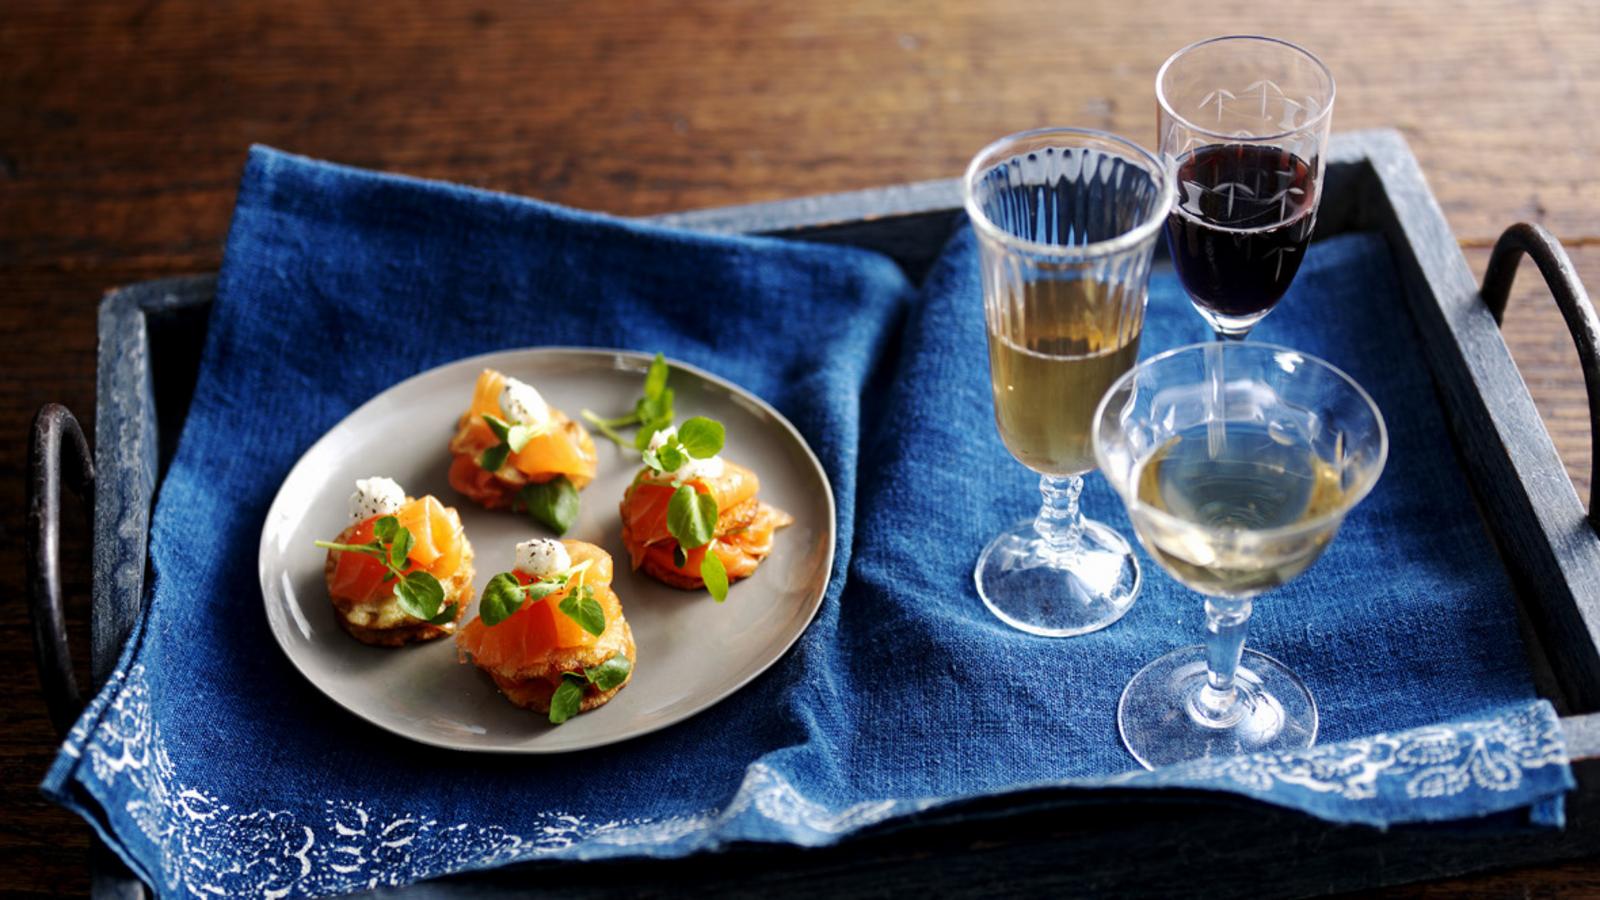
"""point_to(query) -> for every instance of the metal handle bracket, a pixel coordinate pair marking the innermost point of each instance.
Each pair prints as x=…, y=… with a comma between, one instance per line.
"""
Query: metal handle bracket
x=58, y=453
x=1573, y=300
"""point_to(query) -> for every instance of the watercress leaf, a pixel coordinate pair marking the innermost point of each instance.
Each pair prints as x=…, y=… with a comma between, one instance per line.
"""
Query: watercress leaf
x=400, y=547
x=569, y=606
x=655, y=380
x=542, y=589
x=715, y=576
x=691, y=517
x=384, y=529
x=420, y=595
x=648, y=411
x=553, y=504
x=610, y=673
x=591, y=615
x=708, y=512
x=701, y=437
x=652, y=460
x=566, y=701
x=427, y=587
x=607, y=427
x=409, y=602
x=518, y=436
x=671, y=456
x=372, y=548
x=502, y=596
x=499, y=426
x=445, y=616
x=653, y=415
x=682, y=512
x=405, y=592
x=641, y=438
x=680, y=557
x=580, y=606
x=493, y=458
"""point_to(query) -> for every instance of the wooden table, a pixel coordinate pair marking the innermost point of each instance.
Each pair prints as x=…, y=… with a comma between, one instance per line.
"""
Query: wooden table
x=123, y=127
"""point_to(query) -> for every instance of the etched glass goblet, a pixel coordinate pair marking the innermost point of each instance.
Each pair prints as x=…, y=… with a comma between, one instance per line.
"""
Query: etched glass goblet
x=1243, y=123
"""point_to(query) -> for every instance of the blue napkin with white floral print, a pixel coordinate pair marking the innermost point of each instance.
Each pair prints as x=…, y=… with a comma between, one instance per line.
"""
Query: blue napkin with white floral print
x=212, y=768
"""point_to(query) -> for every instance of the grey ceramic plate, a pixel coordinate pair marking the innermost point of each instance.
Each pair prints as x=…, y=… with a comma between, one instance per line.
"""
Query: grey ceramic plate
x=693, y=651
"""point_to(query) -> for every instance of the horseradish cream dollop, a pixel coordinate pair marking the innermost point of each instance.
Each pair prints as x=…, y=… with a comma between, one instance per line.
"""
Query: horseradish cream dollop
x=523, y=404
x=710, y=467
x=542, y=557
x=375, y=496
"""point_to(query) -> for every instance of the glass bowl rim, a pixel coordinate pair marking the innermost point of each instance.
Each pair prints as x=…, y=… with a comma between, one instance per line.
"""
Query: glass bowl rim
x=1315, y=122
x=1133, y=237
x=1353, y=498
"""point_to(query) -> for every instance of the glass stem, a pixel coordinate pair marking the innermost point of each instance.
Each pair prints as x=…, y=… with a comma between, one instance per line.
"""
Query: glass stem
x=1216, y=431
x=1217, y=704
x=1059, y=523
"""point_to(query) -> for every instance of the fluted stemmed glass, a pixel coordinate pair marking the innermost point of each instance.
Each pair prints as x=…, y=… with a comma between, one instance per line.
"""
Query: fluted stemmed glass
x=1302, y=445
x=1066, y=221
x=1243, y=123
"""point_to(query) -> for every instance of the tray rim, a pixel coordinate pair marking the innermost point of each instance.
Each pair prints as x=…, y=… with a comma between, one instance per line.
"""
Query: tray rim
x=1393, y=188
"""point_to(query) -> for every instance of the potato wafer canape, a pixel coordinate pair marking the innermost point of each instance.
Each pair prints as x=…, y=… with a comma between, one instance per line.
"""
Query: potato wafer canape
x=691, y=519
x=512, y=450
x=551, y=633
x=401, y=572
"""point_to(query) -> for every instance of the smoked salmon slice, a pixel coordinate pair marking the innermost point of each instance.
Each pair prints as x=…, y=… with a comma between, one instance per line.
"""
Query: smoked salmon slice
x=740, y=552
x=539, y=627
x=564, y=448
x=744, y=529
x=439, y=542
x=644, y=506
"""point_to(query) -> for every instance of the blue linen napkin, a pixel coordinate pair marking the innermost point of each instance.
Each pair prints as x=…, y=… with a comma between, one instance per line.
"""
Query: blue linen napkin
x=213, y=768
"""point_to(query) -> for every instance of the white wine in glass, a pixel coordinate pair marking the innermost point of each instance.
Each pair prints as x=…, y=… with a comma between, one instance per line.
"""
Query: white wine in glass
x=1235, y=487
x=1066, y=221
x=1050, y=374
x=1248, y=496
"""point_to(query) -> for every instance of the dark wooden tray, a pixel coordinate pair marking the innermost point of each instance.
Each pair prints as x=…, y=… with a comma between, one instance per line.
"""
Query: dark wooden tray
x=1045, y=841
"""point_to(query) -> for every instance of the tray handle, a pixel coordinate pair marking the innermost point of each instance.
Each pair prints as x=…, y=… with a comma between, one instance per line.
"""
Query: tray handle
x=1562, y=279
x=58, y=453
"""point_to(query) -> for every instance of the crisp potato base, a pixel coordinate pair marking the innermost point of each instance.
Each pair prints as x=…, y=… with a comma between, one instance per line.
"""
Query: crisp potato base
x=674, y=578
x=401, y=635
x=533, y=688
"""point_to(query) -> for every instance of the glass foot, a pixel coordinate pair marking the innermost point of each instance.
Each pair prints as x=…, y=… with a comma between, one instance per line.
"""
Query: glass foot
x=1057, y=596
x=1275, y=713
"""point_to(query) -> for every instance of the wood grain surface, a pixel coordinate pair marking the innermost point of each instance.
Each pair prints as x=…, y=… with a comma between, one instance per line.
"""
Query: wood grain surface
x=123, y=126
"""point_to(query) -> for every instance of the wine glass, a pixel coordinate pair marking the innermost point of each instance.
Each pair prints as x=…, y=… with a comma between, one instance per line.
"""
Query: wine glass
x=1303, y=445
x=1244, y=125
x=1066, y=221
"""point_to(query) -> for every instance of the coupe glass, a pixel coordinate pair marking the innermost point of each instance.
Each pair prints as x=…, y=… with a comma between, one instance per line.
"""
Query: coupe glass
x=1066, y=221
x=1244, y=125
x=1301, y=444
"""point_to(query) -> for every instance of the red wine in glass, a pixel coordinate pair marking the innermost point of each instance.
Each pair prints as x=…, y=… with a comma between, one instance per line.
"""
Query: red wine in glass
x=1241, y=225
